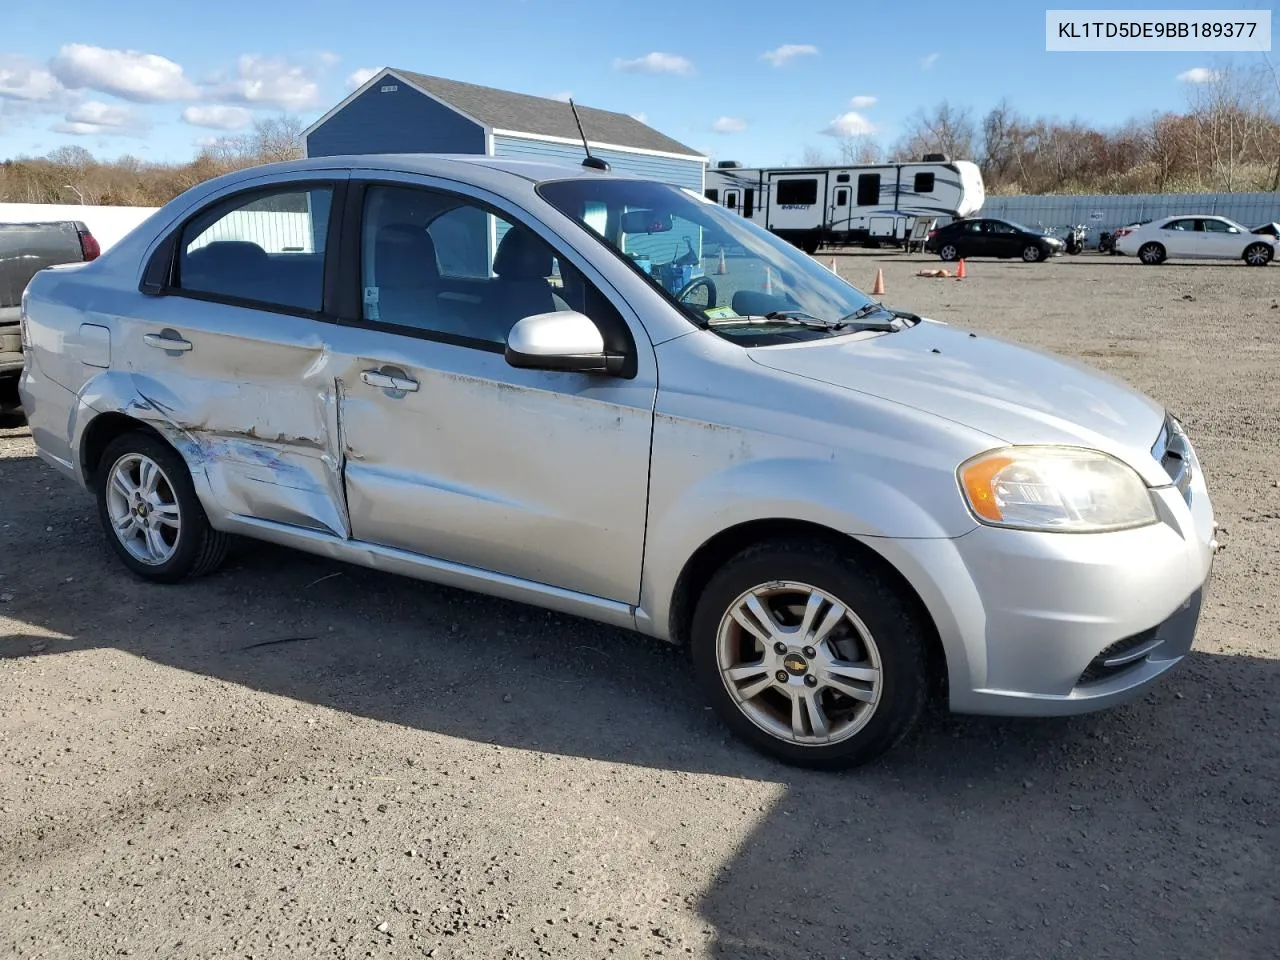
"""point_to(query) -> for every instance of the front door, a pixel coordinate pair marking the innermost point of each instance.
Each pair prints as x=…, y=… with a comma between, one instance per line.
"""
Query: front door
x=230, y=354
x=1003, y=240
x=452, y=453
x=1220, y=240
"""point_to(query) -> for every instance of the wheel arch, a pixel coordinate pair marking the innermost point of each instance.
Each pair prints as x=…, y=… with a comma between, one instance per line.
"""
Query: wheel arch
x=718, y=549
x=101, y=431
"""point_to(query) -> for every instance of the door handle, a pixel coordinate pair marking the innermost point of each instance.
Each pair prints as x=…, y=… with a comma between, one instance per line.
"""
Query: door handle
x=166, y=343
x=385, y=381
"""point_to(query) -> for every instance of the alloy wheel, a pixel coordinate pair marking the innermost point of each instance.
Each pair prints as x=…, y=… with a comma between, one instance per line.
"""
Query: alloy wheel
x=143, y=508
x=799, y=664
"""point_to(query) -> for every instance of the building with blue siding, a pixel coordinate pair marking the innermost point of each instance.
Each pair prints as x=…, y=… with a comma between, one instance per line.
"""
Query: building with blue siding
x=398, y=111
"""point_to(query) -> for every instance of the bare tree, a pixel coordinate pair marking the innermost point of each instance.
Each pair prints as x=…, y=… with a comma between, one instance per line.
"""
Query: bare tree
x=814, y=157
x=944, y=129
x=861, y=148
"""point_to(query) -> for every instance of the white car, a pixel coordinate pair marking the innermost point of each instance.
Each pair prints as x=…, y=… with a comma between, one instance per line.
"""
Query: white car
x=1195, y=238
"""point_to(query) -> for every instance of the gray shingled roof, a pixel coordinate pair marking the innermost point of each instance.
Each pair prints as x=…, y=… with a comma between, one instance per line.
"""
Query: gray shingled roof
x=522, y=113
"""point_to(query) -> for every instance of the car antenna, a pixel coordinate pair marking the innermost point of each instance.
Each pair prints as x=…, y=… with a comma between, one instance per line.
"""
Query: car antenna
x=595, y=163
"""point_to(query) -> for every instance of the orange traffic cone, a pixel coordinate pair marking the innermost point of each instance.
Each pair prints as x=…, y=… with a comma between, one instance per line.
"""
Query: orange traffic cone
x=724, y=267
x=768, y=279
x=878, y=289
x=960, y=270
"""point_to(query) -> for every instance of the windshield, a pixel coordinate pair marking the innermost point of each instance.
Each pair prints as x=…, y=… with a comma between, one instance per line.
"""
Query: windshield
x=713, y=264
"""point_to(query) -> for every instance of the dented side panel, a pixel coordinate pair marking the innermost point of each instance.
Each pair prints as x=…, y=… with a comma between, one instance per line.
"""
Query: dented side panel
x=251, y=405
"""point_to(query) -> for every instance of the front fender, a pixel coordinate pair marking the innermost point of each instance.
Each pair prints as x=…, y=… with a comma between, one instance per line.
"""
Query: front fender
x=832, y=494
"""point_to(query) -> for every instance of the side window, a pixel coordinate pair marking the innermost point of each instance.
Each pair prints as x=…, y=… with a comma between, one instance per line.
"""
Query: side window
x=998, y=227
x=842, y=197
x=712, y=194
x=842, y=178
x=267, y=248
x=924, y=183
x=731, y=199
x=1177, y=225
x=443, y=264
x=748, y=202
x=1216, y=226
x=868, y=189
x=796, y=192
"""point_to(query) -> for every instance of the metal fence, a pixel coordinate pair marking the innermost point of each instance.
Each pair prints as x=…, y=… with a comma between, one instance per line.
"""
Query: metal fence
x=1107, y=212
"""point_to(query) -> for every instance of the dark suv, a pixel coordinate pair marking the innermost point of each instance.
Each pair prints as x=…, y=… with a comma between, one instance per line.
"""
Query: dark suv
x=987, y=237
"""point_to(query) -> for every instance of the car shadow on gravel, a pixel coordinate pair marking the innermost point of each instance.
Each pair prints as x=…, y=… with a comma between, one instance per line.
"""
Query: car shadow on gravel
x=1149, y=830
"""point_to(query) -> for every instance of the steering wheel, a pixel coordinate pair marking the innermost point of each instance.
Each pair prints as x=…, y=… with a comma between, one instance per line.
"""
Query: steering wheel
x=699, y=282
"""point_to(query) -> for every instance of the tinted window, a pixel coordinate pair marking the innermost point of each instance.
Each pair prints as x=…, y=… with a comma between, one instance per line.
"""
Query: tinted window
x=748, y=202
x=796, y=191
x=924, y=183
x=842, y=197
x=998, y=227
x=868, y=189
x=713, y=195
x=731, y=199
x=267, y=248
x=444, y=264
x=842, y=178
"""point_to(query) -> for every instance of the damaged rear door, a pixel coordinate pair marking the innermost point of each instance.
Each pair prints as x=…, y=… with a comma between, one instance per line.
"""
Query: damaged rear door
x=227, y=355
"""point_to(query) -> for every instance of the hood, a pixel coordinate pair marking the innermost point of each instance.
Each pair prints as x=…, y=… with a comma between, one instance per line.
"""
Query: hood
x=1015, y=394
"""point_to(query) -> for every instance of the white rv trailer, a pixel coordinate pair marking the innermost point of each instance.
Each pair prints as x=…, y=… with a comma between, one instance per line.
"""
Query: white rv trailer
x=859, y=203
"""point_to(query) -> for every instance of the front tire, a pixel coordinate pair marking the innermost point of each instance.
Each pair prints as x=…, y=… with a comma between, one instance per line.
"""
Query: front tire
x=810, y=655
x=150, y=512
x=1031, y=253
x=1151, y=254
x=1258, y=255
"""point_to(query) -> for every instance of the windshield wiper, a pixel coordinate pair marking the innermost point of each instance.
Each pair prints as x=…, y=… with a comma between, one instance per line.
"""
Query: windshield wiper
x=789, y=317
x=883, y=326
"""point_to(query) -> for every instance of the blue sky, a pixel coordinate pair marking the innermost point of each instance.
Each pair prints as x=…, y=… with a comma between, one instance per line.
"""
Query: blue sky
x=753, y=80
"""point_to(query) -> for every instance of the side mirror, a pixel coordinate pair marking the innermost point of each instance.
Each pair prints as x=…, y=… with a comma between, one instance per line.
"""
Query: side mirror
x=565, y=341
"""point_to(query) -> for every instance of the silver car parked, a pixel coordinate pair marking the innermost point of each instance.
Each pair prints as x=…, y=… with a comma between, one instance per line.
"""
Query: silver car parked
x=535, y=382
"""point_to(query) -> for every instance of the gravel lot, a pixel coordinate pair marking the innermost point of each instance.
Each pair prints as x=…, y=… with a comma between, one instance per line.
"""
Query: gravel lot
x=295, y=757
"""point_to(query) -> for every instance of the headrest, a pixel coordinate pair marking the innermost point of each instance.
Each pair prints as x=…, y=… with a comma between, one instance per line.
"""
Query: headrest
x=404, y=256
x=228, y=255
x=522, y=256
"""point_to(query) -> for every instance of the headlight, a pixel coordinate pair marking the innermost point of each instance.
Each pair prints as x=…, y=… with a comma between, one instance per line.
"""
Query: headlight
x=1067, y=489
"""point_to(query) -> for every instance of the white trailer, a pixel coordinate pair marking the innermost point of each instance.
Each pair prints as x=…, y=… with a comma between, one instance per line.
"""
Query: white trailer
x=865, y=203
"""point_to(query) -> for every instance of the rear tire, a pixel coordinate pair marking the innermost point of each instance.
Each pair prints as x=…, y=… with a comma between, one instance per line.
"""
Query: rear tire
x=1152, y=254
x=865, y=636
x=150, y=512
x=1258, y=255
x=948, y=252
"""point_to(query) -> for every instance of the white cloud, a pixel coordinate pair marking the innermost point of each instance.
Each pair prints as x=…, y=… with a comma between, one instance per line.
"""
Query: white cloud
x=563, y=96
x=21, y=79
x=328, y=58
x=928, y=60
x=655, y=63
x=361, y=75
x=788, y=52
x=218, y=117
x=128, y=74
x=268, y=82
x=851, y=124
x=862, y=101
x=729, y=125
x=1198, y=75
x=95, y=117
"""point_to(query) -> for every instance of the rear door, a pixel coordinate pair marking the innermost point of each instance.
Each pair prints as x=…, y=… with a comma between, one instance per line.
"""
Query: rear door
x=229, y=350
x=1179, y=238
x=452, y=453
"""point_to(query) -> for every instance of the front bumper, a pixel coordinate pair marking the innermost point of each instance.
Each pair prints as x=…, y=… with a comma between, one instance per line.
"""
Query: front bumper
x=1046, y=624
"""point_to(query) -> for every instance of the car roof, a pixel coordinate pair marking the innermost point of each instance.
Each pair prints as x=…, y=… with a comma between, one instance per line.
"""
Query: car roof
x=475, y=167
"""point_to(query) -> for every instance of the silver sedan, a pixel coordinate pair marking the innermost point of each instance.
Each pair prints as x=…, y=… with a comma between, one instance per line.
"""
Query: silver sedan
x=607, y=396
